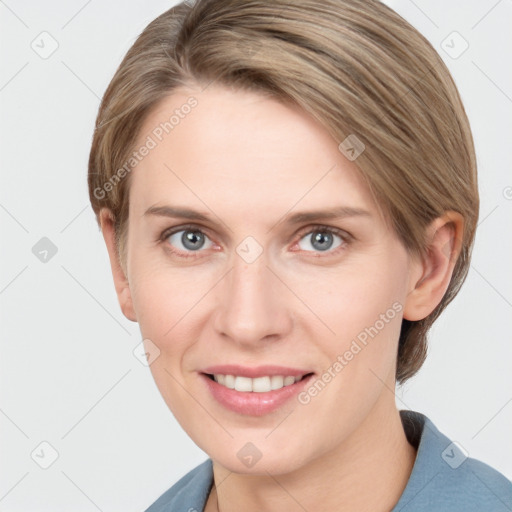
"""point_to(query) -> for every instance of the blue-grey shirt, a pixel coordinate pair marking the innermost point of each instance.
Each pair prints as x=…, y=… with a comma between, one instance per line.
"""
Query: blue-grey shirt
x=442, y=479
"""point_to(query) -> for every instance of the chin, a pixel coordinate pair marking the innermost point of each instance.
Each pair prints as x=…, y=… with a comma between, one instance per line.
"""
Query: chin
x=249, y=460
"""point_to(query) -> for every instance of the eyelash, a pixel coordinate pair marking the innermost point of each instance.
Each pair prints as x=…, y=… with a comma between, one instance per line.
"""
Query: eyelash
x=345, y=237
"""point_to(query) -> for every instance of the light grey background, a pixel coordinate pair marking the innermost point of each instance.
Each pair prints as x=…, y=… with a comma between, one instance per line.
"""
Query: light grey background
x=68, y=373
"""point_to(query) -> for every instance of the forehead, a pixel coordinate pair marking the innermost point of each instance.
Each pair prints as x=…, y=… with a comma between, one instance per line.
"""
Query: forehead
x=240, y=149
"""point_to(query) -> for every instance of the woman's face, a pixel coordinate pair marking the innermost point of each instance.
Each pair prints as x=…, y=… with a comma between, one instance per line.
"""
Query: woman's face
x=249, y=288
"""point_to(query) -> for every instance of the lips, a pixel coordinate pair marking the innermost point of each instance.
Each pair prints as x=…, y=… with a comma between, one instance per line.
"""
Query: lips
x=254, y=391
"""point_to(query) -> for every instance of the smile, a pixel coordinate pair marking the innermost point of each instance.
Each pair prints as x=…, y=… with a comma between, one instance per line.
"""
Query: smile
x=257, y=385
x=254, y=391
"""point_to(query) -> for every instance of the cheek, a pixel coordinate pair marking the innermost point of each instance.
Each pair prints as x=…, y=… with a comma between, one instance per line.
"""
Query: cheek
x=362, y=307
x=365, y=315
x=351, y=300
x=164, y=313
x=170, y=307
x=160, y=304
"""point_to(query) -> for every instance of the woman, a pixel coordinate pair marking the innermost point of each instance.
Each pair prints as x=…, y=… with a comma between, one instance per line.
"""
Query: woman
x=288, y=195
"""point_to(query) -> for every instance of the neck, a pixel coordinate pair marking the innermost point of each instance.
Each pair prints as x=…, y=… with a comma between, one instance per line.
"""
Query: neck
x=367, y=472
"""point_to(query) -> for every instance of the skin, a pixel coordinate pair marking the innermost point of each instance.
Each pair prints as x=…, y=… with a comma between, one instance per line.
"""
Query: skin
x=248, y=161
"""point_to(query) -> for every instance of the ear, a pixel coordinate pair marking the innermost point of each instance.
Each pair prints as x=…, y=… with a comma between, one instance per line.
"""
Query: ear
x=430, y=276
x=120, y=280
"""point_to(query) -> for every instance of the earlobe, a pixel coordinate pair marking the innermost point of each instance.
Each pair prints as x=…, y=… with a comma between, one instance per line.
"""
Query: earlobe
x=120, y=279
x=431, y=276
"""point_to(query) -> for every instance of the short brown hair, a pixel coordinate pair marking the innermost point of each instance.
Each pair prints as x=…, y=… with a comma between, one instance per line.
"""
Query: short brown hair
x=355, y=65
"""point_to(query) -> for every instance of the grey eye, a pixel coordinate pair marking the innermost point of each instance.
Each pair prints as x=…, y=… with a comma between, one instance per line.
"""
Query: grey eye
x=321, y=240
x=190, y=240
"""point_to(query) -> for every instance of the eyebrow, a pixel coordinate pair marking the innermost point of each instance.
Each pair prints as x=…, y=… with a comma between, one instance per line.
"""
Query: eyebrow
x=339, y=212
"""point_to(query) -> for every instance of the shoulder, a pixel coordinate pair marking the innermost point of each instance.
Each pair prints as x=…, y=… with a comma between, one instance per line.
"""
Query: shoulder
x=187, y=494
x=444, y=478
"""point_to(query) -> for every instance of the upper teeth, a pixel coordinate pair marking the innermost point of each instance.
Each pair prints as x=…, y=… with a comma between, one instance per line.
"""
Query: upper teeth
x=258, y=385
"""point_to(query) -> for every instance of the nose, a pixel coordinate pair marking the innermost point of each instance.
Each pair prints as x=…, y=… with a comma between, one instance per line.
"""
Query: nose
x=252, y=305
